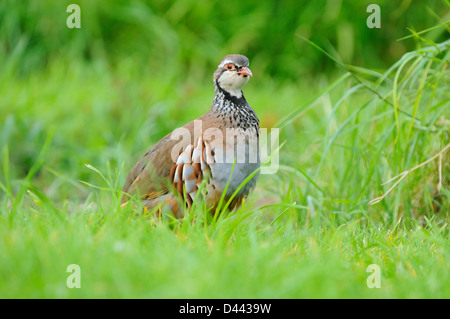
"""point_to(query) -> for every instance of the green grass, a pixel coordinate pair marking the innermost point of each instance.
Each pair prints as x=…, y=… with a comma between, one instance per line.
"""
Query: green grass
x=126, y=256
x=71, y=130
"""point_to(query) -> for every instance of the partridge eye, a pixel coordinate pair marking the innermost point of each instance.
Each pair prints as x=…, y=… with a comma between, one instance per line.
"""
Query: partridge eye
x=230, y=66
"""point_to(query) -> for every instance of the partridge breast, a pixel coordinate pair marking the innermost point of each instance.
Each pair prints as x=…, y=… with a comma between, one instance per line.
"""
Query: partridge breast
x=221, y=164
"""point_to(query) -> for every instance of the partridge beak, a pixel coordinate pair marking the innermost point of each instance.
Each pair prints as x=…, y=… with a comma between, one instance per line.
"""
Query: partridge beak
x=245, y=71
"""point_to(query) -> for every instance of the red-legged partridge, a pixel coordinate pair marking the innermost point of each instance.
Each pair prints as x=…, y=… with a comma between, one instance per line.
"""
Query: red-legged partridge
x=220, y=148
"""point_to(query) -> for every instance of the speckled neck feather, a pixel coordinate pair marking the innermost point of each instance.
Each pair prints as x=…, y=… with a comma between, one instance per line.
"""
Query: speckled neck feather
x=236, y=112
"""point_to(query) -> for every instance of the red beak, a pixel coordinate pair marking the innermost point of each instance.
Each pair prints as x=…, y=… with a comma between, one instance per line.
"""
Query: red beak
x=245, y=71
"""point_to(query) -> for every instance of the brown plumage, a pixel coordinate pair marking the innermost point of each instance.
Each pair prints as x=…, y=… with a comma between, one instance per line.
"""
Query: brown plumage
x=174, y=168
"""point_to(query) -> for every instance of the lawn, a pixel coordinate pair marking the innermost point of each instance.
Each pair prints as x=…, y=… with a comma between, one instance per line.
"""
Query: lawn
x=363, y=175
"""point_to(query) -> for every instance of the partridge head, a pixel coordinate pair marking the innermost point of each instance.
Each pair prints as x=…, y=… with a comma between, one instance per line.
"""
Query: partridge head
x=232, y=74
x=219, y=149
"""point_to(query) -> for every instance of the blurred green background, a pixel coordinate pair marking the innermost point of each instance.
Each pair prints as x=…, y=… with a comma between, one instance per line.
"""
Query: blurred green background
x=78, y=108
x=193, y=35
x=151, y=61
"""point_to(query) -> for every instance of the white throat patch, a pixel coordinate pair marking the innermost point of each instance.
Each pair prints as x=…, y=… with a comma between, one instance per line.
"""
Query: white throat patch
x=232, y=83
